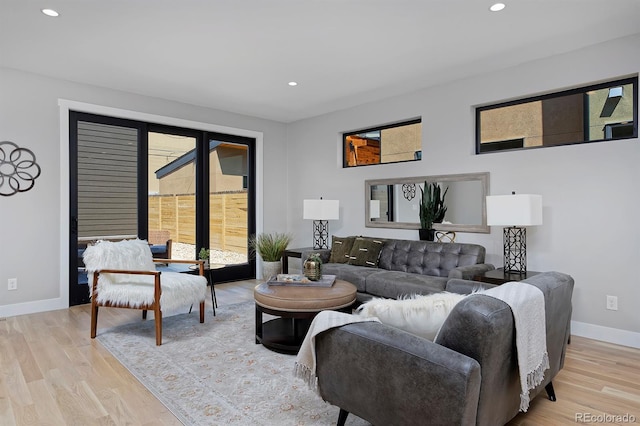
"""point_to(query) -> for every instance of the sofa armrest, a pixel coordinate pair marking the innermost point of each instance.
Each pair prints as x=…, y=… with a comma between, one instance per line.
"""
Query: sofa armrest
x=558, y=291
x=387, y=376
x=470, y=271
x=482, y=328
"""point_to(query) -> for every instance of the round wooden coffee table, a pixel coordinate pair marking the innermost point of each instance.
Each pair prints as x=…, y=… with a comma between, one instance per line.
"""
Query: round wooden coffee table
x=295, y=307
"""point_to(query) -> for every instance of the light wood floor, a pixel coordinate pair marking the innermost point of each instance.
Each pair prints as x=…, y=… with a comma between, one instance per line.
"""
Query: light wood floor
x=52, y=373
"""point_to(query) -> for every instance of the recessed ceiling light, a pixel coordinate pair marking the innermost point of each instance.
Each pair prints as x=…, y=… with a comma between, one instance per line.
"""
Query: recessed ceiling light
x=293, y=83
x=50, y=12
x=497, y=7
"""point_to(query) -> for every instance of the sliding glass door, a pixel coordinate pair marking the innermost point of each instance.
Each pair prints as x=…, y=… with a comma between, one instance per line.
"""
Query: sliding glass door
x=134, y=179
x=104, y=188
x=201, y=192
x=230, y=217
x=172, y=192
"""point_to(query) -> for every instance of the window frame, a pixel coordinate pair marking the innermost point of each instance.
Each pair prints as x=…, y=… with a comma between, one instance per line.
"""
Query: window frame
x=409, y=122
x=491, y=147
x=78, y=293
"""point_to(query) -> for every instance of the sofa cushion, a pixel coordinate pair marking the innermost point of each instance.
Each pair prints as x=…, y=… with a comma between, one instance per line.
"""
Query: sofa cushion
x=366, y=252
x=341, y=249
x=356, y=275
x=158, y=249
x=395, y=284
x=427, y=257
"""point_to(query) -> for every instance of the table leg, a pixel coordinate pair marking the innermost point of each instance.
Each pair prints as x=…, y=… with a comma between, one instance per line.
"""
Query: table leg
x=214, y=300
x=258, y=325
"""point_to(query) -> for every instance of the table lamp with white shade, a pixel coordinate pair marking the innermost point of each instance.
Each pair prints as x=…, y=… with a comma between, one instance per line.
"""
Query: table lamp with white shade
x=321, y=212
x=515, y=212
x=374, y=209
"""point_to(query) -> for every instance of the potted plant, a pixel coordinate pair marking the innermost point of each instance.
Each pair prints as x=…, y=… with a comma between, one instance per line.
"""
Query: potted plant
x=270, y=247
x=312, y=267
x=204, y=255
x=432, y=209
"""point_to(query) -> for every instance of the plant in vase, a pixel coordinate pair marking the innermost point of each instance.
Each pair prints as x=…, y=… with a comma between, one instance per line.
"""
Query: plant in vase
x=312, y=267
x=432, y=209
x=270, y=247
x=204, y=254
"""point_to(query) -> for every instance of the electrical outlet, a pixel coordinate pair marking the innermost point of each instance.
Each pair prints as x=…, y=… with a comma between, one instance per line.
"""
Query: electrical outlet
x=612, y=303
x=12, y=284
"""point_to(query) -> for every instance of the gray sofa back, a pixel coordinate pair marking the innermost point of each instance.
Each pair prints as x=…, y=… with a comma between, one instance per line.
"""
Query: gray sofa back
x=428, y=257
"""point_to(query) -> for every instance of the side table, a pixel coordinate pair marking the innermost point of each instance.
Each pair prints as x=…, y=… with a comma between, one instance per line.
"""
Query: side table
x=499, y=276
x=294, y=252
x=296, y=306
x=209, y=276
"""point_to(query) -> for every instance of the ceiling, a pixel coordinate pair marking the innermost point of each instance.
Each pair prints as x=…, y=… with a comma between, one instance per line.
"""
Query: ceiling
x=239, y=55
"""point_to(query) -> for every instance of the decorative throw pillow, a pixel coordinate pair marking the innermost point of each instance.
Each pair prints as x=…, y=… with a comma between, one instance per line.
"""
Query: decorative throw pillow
x=419, y=315
x=340, y=249
x=365, y=252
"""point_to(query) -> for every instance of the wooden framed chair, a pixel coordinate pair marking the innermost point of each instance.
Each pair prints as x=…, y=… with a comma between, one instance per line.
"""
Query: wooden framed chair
x=123, y=275
x=160, y=242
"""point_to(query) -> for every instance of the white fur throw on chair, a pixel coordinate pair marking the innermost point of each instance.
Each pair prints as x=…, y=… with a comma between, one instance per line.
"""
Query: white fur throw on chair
x=178, y=289
x=419, y=315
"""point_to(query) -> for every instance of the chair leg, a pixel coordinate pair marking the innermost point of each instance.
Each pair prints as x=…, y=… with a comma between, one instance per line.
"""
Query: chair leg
x=202, y=311
x=94, y=318
x=550, y=391
x=157, y=314
x=342, y=417
x=144, y=314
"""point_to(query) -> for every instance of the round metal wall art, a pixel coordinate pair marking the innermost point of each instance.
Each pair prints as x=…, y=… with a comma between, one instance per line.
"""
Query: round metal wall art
x=409, y=191
x=18, y=169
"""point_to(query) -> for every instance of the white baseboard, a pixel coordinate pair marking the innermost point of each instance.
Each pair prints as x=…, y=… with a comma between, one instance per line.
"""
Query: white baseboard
x=25, y=308
x=606, y=334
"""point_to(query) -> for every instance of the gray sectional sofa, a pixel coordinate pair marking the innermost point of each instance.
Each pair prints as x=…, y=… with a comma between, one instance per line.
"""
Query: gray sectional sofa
x=402, y=267
x=467, y=376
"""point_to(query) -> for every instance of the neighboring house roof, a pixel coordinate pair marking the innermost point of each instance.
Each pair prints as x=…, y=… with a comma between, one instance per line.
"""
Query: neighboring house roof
x=183, y=160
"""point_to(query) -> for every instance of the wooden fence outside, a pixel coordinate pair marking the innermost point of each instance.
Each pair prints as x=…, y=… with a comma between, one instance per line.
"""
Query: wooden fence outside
x=227, y=219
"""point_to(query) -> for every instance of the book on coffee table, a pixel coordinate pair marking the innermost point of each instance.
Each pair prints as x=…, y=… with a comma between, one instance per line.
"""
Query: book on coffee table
x=301, y=280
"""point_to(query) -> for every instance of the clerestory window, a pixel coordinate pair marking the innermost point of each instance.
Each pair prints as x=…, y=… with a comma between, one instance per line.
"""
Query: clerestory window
x=594, y=113
x=392, y=143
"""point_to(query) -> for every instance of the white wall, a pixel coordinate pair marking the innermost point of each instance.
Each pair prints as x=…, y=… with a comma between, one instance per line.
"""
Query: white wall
x=590, y=196
x=34, y=225
x=589, y=192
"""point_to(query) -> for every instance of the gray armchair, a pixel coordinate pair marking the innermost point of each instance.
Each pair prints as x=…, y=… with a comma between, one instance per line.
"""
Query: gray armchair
x=468, y=376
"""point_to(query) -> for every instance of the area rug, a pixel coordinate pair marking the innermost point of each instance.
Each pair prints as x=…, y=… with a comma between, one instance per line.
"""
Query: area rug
x=215, y=374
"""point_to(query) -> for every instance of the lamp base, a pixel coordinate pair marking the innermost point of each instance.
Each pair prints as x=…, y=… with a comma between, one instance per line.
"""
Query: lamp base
x=515, y=250
x=320, y=234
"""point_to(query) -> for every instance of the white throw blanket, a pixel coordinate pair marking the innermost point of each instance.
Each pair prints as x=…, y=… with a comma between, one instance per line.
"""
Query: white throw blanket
x=305, y=366
x=527, y=304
